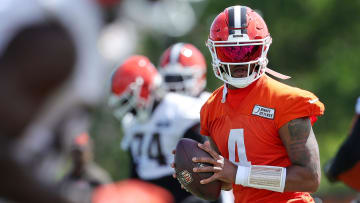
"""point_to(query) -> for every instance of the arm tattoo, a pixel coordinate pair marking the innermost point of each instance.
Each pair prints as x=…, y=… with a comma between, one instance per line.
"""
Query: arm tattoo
x=301, y=144
x=299, y=133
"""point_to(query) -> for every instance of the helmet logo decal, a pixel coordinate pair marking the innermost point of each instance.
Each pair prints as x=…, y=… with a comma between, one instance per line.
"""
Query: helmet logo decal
x=237, y=20
x=185, y=177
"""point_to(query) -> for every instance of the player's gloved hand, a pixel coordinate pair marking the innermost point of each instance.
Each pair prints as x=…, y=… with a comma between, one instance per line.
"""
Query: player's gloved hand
x=256, y=176
x=222, y=168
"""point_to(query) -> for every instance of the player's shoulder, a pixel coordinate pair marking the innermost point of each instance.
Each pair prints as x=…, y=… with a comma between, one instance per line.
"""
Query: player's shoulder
x=213, y=103
x=214, y=97
x=289, y=102
x=279, y=91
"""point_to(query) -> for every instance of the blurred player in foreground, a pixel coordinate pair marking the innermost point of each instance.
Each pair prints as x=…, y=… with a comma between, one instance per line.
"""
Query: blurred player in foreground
x=345, y=166
x=260, y=130
x=42, y=64
x=28, y=80
x=152, y=121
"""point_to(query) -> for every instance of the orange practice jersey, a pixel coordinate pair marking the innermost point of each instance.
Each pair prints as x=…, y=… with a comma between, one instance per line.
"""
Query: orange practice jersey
x=245, y=129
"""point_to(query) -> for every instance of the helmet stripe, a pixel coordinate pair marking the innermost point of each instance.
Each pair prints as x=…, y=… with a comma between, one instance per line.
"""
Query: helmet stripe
x=243, y=20
x=231, y=20
x=237, y=16
x=175, y=53
x=237, y=19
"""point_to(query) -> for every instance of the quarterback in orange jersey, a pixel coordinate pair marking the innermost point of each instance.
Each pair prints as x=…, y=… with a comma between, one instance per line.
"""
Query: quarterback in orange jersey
x=260, y=130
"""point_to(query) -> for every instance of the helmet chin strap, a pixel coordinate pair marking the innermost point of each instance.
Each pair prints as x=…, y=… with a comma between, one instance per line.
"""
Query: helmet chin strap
x=276, y=74
x=224, y=94
x=267, y=70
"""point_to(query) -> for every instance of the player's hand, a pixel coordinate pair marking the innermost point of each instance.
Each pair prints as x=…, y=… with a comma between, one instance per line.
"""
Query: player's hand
x=222, y=168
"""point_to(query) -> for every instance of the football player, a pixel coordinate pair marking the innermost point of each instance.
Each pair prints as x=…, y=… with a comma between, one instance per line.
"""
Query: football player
x=152, y=121
x=183, y=68
x=345, y=166
x=260, y=130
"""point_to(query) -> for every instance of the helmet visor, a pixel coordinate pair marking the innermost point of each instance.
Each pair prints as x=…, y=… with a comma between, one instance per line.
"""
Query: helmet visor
x=238, y=54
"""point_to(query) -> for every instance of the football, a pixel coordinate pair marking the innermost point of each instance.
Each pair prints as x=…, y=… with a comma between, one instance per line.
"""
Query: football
x=186, y=149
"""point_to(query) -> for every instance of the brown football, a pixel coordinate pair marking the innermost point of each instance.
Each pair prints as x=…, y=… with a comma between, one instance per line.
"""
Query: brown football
x=186, y=149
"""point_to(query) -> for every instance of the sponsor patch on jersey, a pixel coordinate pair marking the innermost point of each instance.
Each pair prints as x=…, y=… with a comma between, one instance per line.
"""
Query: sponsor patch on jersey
x=263, y=112
x=185, y=177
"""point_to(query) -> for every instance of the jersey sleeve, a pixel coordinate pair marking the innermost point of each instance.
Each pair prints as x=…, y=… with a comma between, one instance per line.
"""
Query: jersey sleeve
x=300, y=104
x=209, y=111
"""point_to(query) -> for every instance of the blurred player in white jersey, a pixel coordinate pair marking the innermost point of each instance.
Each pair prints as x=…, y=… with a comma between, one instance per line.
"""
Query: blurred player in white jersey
x=152, y=121
x=183, y=68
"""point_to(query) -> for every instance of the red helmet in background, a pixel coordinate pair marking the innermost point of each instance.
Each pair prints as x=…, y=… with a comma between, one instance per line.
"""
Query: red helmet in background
x=183, y=68
x=133, y=87
x=239, y=36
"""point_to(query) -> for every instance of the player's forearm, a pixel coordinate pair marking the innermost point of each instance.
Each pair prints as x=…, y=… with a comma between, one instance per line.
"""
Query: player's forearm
x=279, y=179
x=302, y=179
x=300, y=142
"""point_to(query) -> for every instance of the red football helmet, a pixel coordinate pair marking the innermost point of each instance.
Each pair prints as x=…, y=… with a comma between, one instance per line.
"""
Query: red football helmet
x=134, y=87
x=239, y=36
x=183, y=68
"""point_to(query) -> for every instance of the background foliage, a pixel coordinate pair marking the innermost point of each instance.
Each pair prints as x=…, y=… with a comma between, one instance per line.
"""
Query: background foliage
x=315, y=42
